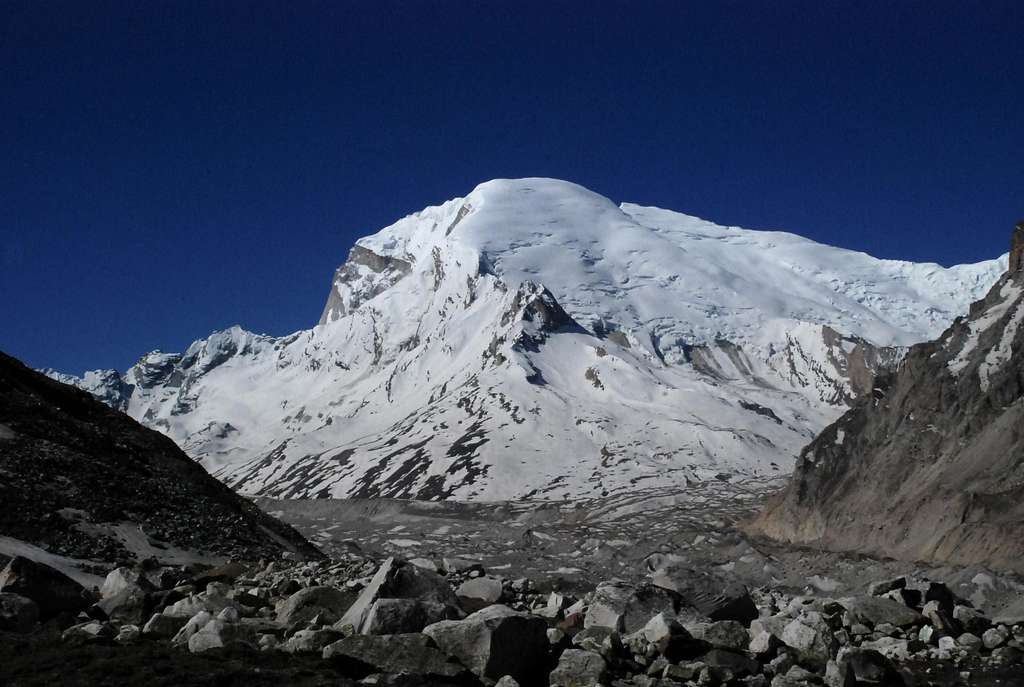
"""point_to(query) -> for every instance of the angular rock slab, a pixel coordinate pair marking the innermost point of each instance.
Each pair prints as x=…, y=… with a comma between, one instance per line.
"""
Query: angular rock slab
x=876, y=610
x=306, y=604
x=627, y=608
x=412, y=655
x=578, y=668
x=397, y=579
x=495, y=642
x=53, y=591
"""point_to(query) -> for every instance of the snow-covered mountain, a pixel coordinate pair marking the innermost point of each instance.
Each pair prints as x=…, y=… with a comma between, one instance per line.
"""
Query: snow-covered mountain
x=534, y=339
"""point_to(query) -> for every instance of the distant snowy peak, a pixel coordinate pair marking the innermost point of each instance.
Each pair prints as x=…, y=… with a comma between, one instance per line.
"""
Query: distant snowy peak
x=686, y=280
x=534, y=339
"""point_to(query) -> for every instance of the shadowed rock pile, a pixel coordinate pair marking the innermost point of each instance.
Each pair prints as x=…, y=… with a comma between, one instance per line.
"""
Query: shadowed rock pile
x=449, y=622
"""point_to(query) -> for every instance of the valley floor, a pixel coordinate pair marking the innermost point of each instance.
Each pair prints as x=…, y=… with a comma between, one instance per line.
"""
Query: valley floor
x=571, y=546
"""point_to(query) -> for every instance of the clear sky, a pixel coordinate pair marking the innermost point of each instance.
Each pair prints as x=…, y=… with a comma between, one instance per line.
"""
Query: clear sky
x=168, y=168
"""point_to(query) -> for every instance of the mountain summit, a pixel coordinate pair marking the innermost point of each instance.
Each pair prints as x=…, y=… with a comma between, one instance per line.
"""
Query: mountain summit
x=533, y=339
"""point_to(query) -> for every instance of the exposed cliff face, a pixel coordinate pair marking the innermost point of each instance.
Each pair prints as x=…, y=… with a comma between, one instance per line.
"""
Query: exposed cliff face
x=930, y=466
x=87, y=482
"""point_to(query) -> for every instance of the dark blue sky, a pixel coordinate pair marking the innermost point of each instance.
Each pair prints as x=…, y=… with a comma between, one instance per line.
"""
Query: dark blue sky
x=171, y=168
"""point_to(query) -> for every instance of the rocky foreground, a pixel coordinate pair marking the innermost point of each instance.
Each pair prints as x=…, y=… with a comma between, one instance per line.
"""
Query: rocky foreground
x=449, y=622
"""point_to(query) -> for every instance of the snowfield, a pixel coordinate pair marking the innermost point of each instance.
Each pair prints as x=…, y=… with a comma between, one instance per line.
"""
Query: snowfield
x=534, y=339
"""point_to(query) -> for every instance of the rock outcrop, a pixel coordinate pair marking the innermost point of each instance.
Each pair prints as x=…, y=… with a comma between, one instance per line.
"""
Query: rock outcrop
x=930, y=466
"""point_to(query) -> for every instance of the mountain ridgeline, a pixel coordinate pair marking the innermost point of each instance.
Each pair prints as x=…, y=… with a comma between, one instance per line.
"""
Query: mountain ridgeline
x=930, y=466
x=535, y=340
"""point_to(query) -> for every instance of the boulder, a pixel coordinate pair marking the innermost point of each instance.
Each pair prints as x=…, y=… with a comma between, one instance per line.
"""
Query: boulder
x=811, y=636
x=92, y=631
x=627, y=608
x=397, y=579
x=213, y=601
x=853, y=666
x=995, y=637
x=412, y=655
x=122, y=579
x=163, y=626
x=971, y=620
x=132, y=604
x=17, y=613
x=941, y=620
x=191, y=626
x=479, y=592
x=876, y=610
x=311, y=641
x=306, y=604
x=127, y=634
x=402, y=616
x=578, y=668
x=729, y=665
x=713, y=596
x=495, y=642
x=724, y=634
x=970, y=642
x=886, y=586
x=52, y=591
x=219, y=633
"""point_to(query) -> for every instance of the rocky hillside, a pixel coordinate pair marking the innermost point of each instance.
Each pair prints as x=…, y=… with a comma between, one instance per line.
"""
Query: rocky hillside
x=81, y=481
x=931, y=465
x=534, y=339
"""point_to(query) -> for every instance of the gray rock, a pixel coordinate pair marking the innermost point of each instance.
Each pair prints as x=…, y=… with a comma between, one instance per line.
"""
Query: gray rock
x=127, y=634
x=132, y=604
x=163, y=626
x=495, y=642
x=725, y=634
x=812, y=638
x=971, y=620
x=627, y=608
x=194, y=603
x=219, y=633
x=729, y=665
x=17, y=613
x=412, y=655
x=886, y=586
x=970, y=642
x=995, y=637
x=401, y=616
x=578, y=668
x=191, y=626
x=92, y=631
x=875, y=610
x=52, y=591
x=122, y=579
x=311, y=641
x=396, y=579
x=481, y=591
x=306, y=604
x=890, y=647
x=712, y=596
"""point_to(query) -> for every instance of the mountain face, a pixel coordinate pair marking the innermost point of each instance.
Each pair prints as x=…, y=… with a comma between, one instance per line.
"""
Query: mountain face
x=533, y=339
x=931, y=465
x=85, y=482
